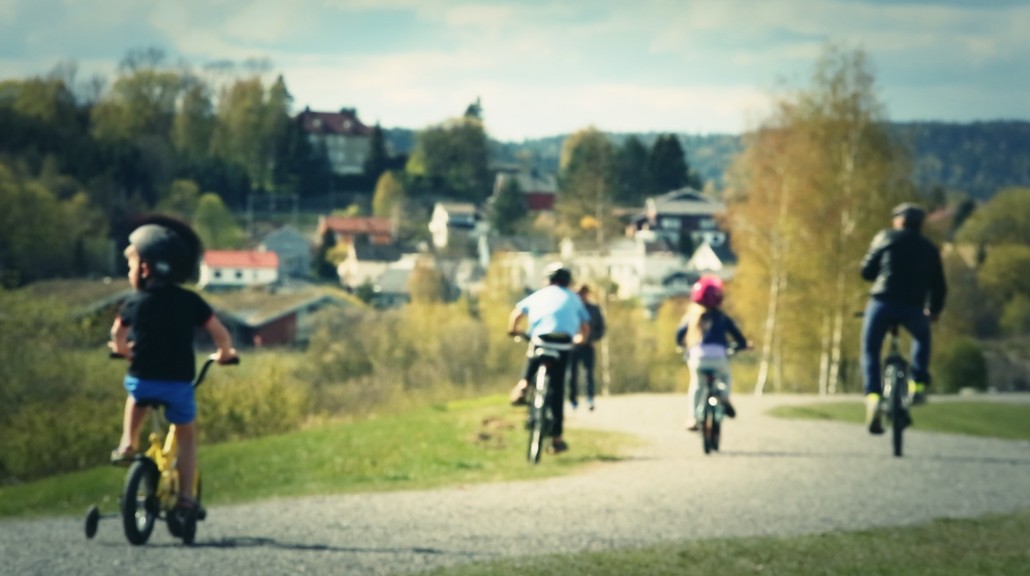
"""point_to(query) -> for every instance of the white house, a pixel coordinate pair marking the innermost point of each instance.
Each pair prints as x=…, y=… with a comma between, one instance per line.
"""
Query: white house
x=366, y=263
x=238, y=268
x=452, y=220
x=718, y=260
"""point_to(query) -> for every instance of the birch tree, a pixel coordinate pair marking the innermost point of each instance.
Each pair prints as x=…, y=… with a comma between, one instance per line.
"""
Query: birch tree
x=812, y=187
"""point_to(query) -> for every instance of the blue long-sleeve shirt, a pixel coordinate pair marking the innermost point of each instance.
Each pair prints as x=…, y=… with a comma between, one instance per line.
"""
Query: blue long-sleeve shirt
x=715, y=338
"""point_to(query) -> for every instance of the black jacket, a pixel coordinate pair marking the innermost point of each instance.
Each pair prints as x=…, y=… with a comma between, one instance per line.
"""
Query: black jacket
x=905, y=268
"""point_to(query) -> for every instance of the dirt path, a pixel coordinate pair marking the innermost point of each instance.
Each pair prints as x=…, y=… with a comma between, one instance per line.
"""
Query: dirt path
x=773, y=477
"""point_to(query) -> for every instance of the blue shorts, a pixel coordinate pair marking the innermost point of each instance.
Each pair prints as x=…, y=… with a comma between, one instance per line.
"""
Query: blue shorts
x=177, y=397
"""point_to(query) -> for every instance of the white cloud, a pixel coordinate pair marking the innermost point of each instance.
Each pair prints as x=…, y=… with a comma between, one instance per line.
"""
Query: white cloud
x=544, y=66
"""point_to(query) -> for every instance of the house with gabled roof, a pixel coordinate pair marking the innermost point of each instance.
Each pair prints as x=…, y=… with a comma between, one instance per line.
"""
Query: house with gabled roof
x=366, y=263
x=453, y=222
x=357, y=229
x=293, y=249
x=85, y=297
x=538, y=189
x=683, y=214
x=344, y=138
x=719, y=260
x=220, y=269
x=282, y=316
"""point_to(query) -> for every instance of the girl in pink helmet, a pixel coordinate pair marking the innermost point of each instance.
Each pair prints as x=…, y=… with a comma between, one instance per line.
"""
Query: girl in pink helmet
x=703, y=334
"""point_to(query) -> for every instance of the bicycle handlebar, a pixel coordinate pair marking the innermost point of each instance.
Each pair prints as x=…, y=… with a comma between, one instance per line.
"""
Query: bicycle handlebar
x=235, y=360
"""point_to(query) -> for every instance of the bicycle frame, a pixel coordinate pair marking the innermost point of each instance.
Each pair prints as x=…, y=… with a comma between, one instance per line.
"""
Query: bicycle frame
x=896, y=398
x=711, y=411
x=540, y=418
x=152, y=484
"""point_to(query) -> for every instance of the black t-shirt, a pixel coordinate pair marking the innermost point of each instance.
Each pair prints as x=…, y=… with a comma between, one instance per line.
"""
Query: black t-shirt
x=161, y=321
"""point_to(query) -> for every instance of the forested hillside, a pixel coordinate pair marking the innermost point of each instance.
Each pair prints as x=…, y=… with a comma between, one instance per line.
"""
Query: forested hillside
x=978, y=158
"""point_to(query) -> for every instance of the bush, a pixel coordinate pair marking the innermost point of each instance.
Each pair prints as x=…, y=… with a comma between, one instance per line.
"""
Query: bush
x=963, y=365
x=1015, y=317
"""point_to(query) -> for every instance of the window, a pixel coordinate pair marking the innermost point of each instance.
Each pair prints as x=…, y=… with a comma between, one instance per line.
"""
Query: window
x=707, y=224
x=669, y=223
x=217, y=274
x=239, y=275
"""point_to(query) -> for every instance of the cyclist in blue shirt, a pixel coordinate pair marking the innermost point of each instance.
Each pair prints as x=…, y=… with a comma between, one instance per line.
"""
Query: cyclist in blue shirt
x=557, y=313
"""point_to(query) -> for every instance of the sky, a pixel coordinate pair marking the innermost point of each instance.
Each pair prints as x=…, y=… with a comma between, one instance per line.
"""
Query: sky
x=548, y=67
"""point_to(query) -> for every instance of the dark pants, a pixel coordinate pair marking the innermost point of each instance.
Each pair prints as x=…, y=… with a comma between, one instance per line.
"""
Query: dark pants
x=586, y=356
x=879, y=316
x=557, y=397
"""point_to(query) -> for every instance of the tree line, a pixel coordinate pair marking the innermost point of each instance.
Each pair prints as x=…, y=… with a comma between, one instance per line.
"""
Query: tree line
x=79, y=160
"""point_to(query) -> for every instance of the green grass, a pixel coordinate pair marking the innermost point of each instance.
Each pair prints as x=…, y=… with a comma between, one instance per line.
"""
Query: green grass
x=994, y=545
x=989, y=419
x=463, y=442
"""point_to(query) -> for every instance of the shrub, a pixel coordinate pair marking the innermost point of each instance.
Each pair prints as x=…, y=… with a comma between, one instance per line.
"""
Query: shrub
x=962, y=365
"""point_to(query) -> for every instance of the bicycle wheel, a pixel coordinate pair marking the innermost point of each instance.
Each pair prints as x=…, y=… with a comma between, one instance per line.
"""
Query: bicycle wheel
x=716, y=432
x=708, y=426
x=537, y=416
x=174, y=521
x=897, y=408
x=92, y=519
x=140, y=506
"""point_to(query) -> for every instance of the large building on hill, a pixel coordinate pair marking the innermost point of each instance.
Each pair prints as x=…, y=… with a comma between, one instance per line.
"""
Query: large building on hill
x=345, y=139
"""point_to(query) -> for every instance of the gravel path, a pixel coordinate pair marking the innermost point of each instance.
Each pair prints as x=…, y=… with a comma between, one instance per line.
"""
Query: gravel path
x=773, y=477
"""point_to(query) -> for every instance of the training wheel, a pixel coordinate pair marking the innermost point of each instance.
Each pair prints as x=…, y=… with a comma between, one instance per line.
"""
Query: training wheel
x=92, y=520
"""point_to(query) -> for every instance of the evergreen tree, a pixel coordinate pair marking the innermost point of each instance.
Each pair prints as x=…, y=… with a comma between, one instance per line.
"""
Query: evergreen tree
x=323, y=265
x=667, y=165
x=378, y=160
x=633, y=180
x=508, y=208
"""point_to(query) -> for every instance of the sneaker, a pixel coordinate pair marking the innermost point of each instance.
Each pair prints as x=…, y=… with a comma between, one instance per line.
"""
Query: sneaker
x=692, y=426
x=190, y=506
x=873, y=416
x=590, y=404
x=558, y=446
x=518, y=393
x=728, y=408
x=123, y=456
x=918, y=392
x=574, y=404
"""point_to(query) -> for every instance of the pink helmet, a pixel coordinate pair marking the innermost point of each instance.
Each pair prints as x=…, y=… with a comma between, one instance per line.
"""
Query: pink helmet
x=707, y=291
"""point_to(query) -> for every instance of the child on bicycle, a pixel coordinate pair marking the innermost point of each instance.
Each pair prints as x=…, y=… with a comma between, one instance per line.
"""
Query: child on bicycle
x=553, y=311
x=154, y=330
x=702, y=334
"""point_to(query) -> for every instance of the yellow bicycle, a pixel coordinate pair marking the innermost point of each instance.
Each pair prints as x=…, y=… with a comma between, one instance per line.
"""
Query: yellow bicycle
x=151, y=488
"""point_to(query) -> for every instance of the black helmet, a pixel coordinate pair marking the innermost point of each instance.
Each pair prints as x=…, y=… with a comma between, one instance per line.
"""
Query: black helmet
x=169, y=246
x=557, y=273
x=912, y=214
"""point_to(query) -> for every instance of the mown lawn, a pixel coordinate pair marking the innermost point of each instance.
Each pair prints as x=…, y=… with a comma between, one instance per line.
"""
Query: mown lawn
x=993, y=545
x=975, y=418
x=448, y=444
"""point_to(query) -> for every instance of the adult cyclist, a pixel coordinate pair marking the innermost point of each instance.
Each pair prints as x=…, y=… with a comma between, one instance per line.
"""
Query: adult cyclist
x=557, y=314
x=908, y=290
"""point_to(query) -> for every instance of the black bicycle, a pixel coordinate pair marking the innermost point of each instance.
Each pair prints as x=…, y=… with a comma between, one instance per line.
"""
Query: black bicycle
x=896, y=399
x=547, y=349
x=712, y=409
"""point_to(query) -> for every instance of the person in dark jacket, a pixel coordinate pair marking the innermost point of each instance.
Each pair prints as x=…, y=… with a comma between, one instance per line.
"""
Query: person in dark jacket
x=585, y=354
x=909, y=290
